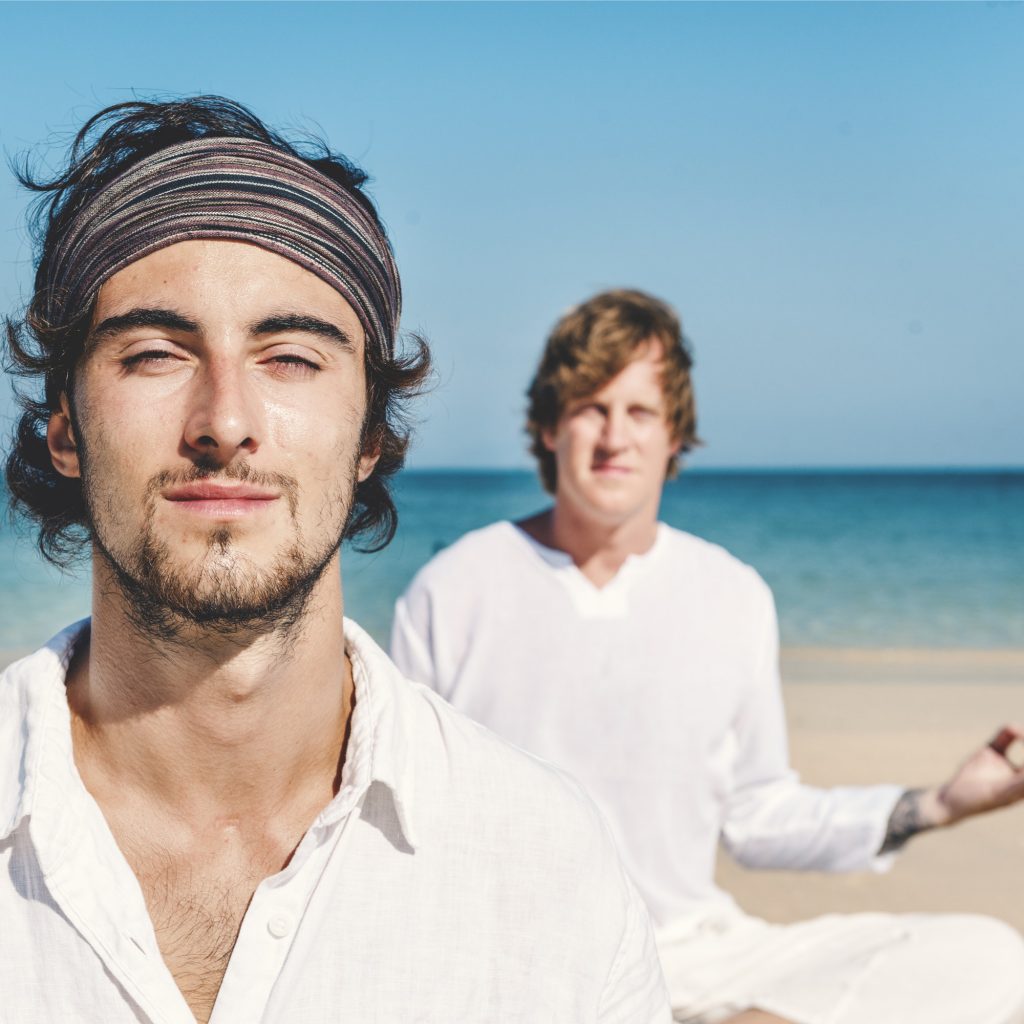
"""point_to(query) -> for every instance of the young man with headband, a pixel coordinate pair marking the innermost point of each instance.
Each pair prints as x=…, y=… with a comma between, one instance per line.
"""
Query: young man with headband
x=219, y=801
x=643, y=660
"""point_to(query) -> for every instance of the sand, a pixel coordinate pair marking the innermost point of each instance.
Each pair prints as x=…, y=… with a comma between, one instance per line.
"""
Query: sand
x=907, y=717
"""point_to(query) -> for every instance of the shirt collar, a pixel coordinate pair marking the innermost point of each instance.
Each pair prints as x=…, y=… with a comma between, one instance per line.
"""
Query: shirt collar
x=35, y=733
x=381, y=739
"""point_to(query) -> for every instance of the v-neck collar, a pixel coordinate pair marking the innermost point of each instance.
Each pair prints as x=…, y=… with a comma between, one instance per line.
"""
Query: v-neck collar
x=590, y=601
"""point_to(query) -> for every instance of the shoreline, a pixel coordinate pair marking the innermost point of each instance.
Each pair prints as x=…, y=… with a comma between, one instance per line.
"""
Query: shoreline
x=822, y=665
x=922, y=666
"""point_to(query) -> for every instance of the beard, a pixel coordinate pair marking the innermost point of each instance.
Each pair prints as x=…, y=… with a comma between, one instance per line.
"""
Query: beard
x=221, y=590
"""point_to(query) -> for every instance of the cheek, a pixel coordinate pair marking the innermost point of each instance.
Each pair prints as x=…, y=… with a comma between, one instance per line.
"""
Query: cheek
x=316, y=433
x=290, y=428
x=579, y=439
x=659, y=450
x=123, y=439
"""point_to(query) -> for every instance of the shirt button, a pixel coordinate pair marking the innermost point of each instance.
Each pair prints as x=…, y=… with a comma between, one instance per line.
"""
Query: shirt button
x=279, y=926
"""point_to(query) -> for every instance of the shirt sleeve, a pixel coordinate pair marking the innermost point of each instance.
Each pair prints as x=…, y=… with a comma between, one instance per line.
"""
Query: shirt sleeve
x=772, y=820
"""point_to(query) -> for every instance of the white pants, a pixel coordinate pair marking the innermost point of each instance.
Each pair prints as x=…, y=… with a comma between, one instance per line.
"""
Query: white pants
x=846, y=969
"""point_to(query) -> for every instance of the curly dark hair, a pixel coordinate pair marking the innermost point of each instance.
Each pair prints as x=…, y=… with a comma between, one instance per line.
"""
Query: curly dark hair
x=109, y=143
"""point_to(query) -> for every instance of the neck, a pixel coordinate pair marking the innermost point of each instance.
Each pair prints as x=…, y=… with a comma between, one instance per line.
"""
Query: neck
x=598, y=547
x=210, y=722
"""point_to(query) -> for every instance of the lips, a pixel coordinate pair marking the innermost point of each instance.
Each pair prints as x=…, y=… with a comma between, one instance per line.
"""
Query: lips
x=207, y=490
x=220, y=500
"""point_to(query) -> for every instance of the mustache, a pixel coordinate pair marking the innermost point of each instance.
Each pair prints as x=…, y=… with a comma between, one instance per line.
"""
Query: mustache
x=242, y=472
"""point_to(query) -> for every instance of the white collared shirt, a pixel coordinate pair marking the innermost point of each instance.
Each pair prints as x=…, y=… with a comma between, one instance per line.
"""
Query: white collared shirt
x=452, y=879
x=659, y=692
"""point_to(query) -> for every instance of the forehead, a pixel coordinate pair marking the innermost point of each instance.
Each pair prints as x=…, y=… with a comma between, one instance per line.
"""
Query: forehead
x=215, y=280
x=642, y=377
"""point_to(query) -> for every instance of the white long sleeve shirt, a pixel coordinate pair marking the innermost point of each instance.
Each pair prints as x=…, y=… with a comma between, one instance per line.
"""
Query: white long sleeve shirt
x=452, y=879
x=659, y=692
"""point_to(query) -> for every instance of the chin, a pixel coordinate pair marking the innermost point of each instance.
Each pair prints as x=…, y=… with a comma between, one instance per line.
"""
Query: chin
x=612, y=512
x=613, y=493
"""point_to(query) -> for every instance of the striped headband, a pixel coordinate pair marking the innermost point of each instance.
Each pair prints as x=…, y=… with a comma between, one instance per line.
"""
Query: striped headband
x=235, y=189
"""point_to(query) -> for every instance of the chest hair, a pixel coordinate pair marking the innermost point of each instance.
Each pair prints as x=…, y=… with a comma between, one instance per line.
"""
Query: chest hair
x=197, y=906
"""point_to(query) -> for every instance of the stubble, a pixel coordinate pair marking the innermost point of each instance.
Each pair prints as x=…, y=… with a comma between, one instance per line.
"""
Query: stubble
x=222, y=590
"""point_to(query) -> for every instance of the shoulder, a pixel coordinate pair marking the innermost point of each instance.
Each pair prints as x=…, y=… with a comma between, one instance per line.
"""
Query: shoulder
x=24, y=679
x=462, y=571
x=530, y=821
x=512, y=839
x=471, y=553
x=714, y=566
x=32, y=705
x=467, y=780
x=497, y=785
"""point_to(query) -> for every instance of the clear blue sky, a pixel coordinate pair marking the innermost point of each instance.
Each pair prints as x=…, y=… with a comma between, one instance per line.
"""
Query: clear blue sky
x=832, y=195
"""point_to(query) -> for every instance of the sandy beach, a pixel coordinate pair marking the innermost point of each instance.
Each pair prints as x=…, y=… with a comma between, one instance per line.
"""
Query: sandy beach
x=864, y=716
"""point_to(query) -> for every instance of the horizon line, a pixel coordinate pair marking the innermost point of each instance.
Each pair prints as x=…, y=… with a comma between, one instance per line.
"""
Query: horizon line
x=822, y=468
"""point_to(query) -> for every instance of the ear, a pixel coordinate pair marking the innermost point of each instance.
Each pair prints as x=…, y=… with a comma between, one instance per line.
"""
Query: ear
x=60, y=439
x=547, y=437
x=367, y=464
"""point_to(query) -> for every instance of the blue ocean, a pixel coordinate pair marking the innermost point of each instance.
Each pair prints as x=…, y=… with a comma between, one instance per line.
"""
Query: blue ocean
x=856, y=559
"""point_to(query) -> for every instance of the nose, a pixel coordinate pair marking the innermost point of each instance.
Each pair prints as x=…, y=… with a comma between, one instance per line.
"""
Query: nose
x=615, y=430
x=225, y=416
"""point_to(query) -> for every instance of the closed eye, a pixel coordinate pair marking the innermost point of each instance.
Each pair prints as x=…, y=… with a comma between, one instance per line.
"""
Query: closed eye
x=148, y=356
x=291, y=364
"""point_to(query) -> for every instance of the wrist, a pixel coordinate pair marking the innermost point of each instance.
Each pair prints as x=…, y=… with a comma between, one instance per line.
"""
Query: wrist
x=935, y=808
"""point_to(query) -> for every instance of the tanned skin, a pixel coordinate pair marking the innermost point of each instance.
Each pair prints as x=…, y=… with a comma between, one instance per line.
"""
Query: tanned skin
x=216, y=424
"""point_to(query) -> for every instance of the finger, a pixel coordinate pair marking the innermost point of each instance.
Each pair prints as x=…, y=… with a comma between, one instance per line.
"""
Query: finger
x=1000, y=743
x=1009, y=745
x=1014, y=754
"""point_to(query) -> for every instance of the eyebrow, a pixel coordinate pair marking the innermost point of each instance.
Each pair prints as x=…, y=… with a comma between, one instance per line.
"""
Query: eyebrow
x=142, y=316
x=290, y=322
x=168, y=319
